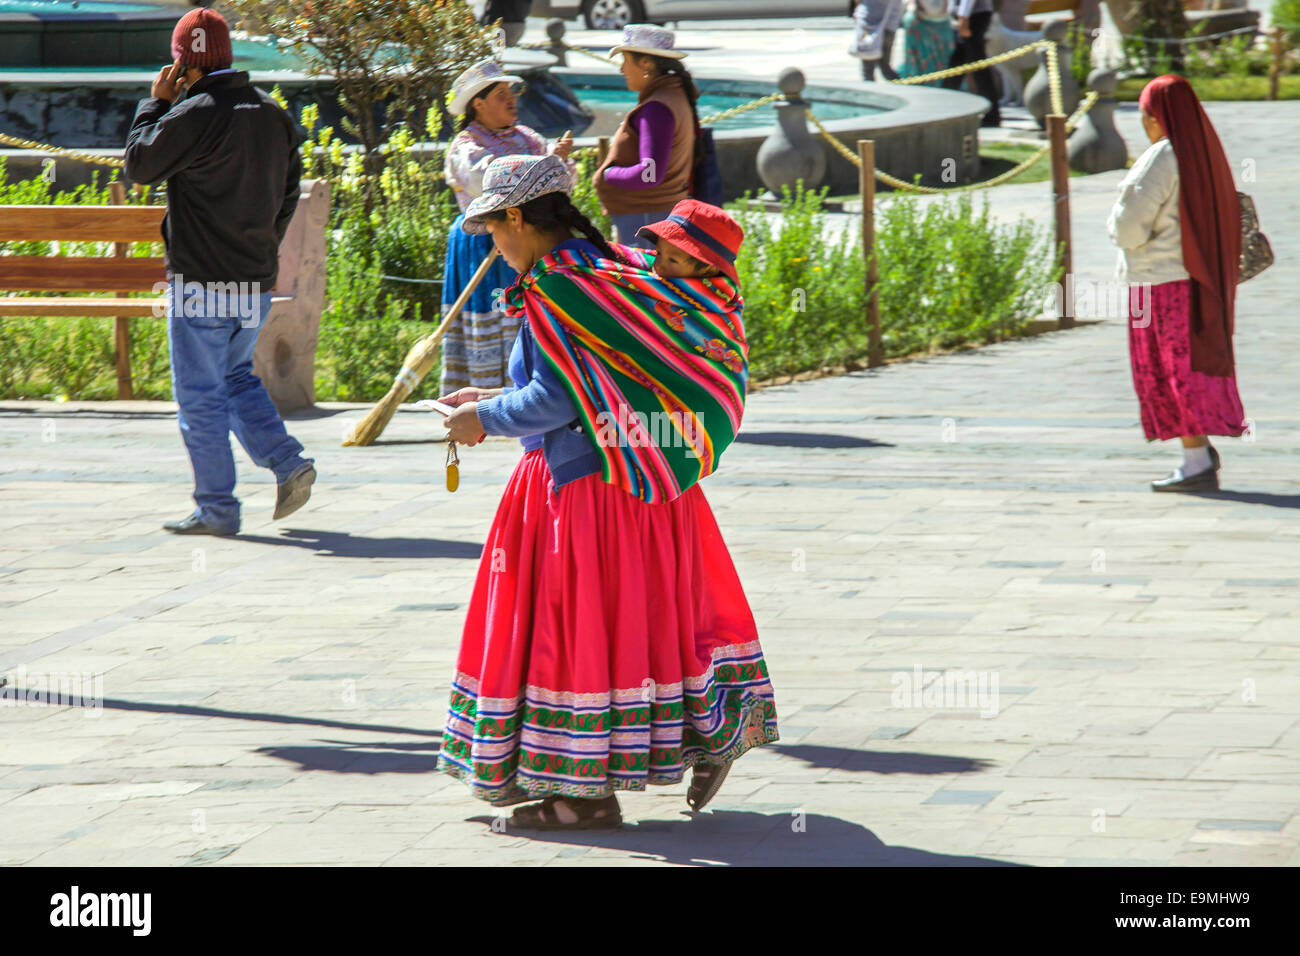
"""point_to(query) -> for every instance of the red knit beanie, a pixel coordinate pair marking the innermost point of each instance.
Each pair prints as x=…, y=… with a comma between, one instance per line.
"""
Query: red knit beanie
x=202, y=39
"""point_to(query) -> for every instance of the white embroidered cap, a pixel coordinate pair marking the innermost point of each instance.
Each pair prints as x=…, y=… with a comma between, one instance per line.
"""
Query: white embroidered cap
x=512, y=181
x=648, y=39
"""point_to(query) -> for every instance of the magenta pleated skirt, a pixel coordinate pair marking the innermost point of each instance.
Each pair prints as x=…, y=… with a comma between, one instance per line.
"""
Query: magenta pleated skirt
x=608, y=645
x=1175, y=400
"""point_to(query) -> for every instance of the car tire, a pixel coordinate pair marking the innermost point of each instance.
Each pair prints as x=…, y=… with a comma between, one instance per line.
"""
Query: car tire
x=612, y=14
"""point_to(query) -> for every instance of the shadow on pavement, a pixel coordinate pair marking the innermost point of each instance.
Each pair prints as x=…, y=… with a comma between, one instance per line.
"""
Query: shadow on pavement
x=190, y=710
x=343, y=757
x=1252, y=498
x=870, y=761
x=809, y=440
x=338, y=544
x=748, y=838
x=106, y=413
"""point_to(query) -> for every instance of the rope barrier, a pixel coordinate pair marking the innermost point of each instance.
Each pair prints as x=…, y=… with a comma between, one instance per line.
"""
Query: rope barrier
x=409, y=279
x=573, y=49
x=743, y=108
x=60, y=151
x=1015, y=171
x=1192, y=39
x=1054, y=77
x=976, y=65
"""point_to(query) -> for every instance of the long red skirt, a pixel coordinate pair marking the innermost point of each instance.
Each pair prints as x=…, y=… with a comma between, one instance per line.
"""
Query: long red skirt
x=1175, y=400
x=608, y=645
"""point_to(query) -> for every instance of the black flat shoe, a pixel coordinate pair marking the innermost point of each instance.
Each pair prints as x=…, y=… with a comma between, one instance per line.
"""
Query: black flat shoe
x=1214, y=457
x=193, y=525
x=1207, y=480
x=292, y=493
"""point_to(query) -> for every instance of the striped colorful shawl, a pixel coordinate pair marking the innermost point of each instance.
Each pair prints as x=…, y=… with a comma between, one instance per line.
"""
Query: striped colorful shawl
x=657, y=368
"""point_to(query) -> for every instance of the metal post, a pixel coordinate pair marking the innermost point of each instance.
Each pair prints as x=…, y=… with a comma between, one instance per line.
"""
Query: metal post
x=1061, y=213
x=121, y=324
x=867, y=181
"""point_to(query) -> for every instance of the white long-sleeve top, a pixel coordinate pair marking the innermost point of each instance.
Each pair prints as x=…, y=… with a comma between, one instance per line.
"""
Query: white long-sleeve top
x=473, y=149
x=966, y=7
x=872, y=15
x=1144, y=222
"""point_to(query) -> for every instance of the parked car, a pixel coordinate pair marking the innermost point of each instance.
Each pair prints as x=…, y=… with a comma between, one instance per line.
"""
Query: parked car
x=615, y=14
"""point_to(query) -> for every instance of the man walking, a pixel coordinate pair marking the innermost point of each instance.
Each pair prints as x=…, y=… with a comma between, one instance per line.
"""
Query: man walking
x=973, y=18
x=230, y=157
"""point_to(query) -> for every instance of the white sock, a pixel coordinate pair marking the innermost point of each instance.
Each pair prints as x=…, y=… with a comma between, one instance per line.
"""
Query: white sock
x=1196, y=460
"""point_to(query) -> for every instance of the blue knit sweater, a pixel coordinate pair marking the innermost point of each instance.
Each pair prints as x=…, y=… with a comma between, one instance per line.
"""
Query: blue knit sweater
x=538, y=410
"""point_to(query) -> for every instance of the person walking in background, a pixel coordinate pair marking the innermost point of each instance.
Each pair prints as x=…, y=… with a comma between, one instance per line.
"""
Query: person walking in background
x=928, y=39
x=476, y=346
x=651, y=161
x=608, y=644
x=230, y=158
x=973, y=18
x=1178, y=227
x=876, y=23
x=511, y=13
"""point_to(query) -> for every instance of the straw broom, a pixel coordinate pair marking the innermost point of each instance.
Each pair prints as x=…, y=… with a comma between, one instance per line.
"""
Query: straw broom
x=415, y=366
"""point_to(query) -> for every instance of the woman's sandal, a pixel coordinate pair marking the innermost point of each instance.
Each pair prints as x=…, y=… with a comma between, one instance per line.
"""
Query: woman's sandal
x=706, y=781
x=592, y=815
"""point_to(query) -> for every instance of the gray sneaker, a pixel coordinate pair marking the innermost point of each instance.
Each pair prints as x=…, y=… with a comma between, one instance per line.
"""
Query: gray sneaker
x=292, y=493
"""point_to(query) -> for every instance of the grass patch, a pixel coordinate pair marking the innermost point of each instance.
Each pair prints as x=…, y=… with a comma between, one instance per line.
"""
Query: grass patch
x=996, y=158
x=1218, y=88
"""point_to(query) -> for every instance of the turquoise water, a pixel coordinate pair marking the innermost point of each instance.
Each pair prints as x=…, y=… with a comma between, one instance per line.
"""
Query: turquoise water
x=68, y=6
x=249, y=55
x=717, y=102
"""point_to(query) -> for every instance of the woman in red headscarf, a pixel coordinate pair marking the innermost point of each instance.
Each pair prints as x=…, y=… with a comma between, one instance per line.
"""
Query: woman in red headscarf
x=1178, y=227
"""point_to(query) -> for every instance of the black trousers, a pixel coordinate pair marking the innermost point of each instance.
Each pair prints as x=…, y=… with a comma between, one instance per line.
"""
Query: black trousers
x=969, y=50
x=886, y=48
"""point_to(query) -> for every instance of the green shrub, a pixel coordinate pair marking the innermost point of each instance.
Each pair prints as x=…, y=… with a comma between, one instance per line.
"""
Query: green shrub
x=584, y=193
x=365, y=334
x=1285, y=16
x=802, y=284
x=948, y=276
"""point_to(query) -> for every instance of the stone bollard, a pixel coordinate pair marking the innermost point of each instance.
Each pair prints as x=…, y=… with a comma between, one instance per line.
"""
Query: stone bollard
x=790, y=152
x=1096, y=145
x=1038, y=93
x=555, y=31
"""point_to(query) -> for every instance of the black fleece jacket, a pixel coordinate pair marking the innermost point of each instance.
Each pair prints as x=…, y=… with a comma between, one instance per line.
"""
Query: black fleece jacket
x=230, y=157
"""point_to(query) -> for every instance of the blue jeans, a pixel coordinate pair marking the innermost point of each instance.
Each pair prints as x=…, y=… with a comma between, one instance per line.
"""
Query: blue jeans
x=628, y=223
x=212, y=339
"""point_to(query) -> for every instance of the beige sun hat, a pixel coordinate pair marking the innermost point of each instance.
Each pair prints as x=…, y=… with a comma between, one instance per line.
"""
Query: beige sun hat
x=473, y=81
x=648, y=39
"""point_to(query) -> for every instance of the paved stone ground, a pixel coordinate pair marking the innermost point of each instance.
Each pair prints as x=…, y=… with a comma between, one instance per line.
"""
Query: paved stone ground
x=277, y=698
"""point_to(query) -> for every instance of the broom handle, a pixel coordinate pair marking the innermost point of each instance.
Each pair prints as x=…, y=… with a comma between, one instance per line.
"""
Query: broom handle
x=464, y=295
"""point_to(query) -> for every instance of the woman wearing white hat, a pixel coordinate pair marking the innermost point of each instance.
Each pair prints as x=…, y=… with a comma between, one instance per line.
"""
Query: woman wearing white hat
x=476, y=348
x=651, y=161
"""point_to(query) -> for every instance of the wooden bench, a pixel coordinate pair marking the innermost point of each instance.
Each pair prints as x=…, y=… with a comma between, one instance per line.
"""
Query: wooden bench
x=285, y=358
